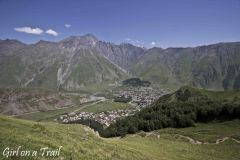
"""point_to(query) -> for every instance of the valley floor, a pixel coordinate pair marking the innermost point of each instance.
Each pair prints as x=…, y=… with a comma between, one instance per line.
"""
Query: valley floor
x=80, y=142
x=96, y=106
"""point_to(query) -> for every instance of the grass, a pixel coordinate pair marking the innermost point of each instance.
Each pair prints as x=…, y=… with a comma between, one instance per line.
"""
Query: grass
x=220, y=95
x=81, y=143
x=49, y=116
x=207, y=132
x=90, y=66
x=46, y=116
x=108, y=105
x=231, y=95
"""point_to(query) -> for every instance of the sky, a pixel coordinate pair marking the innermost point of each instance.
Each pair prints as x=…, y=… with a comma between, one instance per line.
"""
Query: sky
x=161, y=23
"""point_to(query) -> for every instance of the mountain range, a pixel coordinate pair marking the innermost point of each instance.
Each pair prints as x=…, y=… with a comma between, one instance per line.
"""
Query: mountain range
x=78, y=62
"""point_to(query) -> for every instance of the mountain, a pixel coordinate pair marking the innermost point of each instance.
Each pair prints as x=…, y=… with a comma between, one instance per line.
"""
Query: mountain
x=80, y=62
x=71, y=64
x=124, y=55
x=214, y=66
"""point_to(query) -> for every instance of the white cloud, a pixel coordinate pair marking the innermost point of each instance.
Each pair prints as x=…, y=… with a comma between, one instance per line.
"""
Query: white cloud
x=68, y=25
x=29, y=30
x=127, y=39
x=153, y=43
x=52, y=32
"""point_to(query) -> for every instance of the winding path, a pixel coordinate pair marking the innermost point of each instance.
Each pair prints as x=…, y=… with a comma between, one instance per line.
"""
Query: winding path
x=218, y=141
x=191, y=140
x=91, y=104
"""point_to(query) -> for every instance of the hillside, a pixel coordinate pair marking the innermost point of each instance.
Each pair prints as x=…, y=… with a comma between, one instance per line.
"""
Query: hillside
x=74, y=63
x=20, y=101
x=79, y=142
x=78, y=62
x=183, y=108
x=215, y=67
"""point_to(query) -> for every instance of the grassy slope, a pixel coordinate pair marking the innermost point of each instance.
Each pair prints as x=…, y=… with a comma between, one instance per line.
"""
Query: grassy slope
x=233, y=95
x=213, y=66
x=79, y=143
x=106, y=106
x=48, y=115
x=95, y=73
x=10, y=69
x=150, y=69
x=207, y=132
x=50, y=74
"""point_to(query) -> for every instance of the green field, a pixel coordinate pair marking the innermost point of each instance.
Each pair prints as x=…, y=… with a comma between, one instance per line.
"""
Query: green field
x=49, y=116
x=209, y=132
x=81, y=143
x=107, y=105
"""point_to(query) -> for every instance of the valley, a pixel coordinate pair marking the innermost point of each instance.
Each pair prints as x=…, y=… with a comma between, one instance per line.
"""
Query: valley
x=102, y=110
x=119, y=80
x=106, y=101
x=215, y=139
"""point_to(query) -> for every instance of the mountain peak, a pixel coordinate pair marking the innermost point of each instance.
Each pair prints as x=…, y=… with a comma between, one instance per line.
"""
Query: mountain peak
x=43, y=42
x=88, y=40
x=9, y=46
x=11, y=41
x=89, y=35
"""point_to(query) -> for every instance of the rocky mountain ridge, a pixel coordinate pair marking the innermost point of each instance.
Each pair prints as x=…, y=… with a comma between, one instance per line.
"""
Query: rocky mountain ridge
x=80, y=61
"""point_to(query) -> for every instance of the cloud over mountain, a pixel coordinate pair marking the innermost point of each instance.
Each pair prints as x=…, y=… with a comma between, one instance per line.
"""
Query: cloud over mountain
x=52, y=32
x=29, y=30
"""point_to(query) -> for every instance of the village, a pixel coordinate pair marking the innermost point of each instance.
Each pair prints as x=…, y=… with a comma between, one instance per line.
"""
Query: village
x=104, y=118
x=139, y=98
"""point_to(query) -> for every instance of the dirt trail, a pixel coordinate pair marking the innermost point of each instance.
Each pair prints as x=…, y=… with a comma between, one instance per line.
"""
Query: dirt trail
x=218, y=141
x=93, y=103
x=191, y=140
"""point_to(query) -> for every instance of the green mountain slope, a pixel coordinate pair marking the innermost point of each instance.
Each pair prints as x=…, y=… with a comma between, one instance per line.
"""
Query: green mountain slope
x=214, y=67
x=92, y=68
x=79, y=142
x=71, y=64
x=78, y=62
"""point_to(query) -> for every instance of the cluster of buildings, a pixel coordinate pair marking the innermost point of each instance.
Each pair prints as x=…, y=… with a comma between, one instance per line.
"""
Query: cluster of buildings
x=104, y=118
x=141, y=97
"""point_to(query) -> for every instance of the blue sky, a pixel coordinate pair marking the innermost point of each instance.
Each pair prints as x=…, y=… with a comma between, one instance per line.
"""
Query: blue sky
x=162, y=23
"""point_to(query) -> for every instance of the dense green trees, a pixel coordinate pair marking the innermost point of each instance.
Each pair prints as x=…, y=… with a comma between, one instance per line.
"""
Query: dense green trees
x=180, y=114
x=136, y=82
